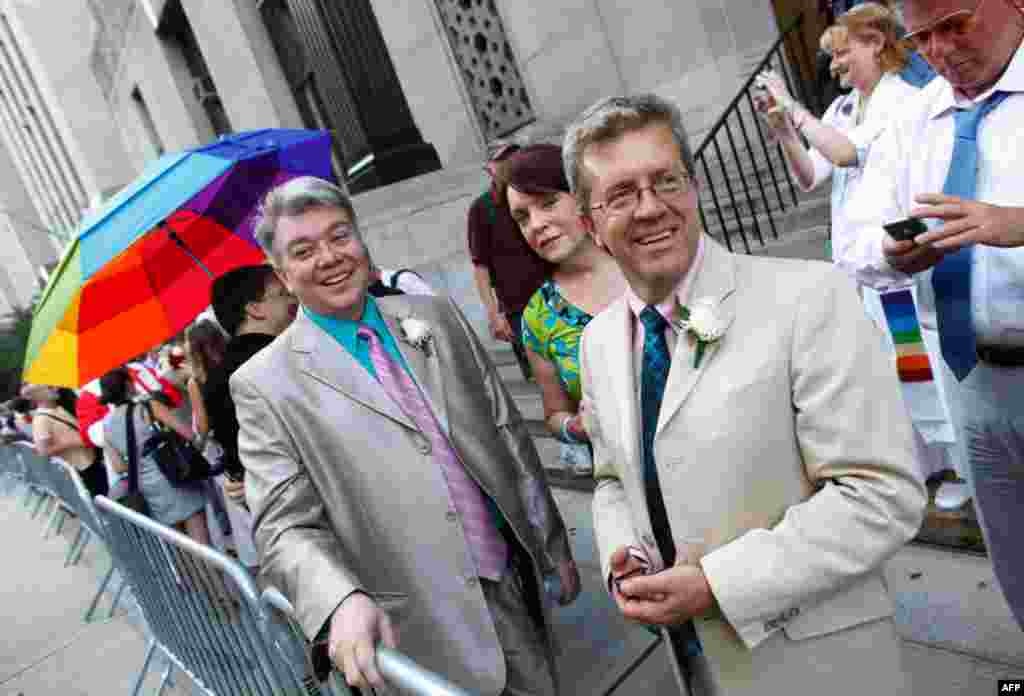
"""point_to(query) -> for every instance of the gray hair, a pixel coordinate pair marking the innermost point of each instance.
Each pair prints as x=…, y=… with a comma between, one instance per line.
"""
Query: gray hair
x=293, y=198
x=607, y=120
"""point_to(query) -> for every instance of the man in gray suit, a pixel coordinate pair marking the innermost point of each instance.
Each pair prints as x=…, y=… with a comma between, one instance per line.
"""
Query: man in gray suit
x=393, y=484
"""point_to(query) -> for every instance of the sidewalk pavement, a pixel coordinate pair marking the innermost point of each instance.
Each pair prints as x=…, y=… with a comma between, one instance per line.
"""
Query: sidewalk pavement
x=959, y=635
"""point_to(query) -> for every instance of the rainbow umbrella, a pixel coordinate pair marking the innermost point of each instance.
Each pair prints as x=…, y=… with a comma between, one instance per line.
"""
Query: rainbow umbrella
x=140, y=269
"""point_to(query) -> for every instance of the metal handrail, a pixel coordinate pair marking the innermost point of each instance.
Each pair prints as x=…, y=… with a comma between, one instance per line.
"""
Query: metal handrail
x=208, y=627
x=793, y=26
x=395, y=667
x=760, y=191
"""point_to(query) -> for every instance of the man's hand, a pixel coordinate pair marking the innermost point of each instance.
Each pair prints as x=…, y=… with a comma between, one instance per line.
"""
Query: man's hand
x=234, y=490
x=356, y=627
x=968, y=222
x=570, y=577
x=623, y=565
x=500, y=327
x=909, y=257
x=667, y=598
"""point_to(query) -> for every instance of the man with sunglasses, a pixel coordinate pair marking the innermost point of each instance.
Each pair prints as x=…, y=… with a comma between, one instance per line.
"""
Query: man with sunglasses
x=953, y=160
x=752, y=453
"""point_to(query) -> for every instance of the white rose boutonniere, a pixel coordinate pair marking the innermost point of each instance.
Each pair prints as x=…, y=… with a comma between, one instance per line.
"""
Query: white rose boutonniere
x=416, y=333
x=703, y=321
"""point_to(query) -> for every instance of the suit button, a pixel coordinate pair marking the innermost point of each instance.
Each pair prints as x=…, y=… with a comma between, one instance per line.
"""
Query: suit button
x=471, y=581
x=451, y=516
x=423, y=445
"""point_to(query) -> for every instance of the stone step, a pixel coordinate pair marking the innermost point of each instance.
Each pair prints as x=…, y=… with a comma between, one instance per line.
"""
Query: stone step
x=791, y=226
x=746, y=195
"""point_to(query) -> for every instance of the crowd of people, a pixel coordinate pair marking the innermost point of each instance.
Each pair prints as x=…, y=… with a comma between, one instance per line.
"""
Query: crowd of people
x=760, y=430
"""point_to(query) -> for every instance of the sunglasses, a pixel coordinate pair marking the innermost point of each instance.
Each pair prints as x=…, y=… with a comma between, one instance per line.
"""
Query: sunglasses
x=956, y=23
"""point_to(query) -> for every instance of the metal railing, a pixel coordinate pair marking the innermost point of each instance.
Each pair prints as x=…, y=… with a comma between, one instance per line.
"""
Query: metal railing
x=205, y=615
x=34, y=474
x=57, y=483
x=745, y=183
x=74, y=492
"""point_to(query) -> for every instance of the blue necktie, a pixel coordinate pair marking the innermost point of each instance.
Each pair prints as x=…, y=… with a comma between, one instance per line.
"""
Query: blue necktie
x=653, y=376
x=951, y=277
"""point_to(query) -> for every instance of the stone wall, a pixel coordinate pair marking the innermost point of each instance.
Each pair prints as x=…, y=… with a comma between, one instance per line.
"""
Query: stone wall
x=573, y=52
x=421, y=224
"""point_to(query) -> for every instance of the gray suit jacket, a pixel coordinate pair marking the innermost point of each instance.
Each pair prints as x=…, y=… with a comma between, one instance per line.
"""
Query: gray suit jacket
x=346, y=495
x=785, y=460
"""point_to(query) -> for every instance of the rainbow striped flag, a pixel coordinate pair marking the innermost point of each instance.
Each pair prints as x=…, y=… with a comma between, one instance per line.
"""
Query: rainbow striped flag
x=911, y=356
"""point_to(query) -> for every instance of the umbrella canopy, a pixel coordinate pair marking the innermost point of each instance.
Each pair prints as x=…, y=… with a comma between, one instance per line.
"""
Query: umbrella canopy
x=140, y=269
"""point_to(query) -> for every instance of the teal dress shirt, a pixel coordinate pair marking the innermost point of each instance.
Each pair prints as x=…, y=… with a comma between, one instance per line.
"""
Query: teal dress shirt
x=344, y=332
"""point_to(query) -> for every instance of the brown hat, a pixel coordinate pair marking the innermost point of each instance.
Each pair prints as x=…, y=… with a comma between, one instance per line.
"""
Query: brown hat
x=538, y=169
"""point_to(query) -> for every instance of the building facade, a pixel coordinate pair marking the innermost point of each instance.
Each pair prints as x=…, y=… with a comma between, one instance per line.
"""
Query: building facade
x=413, y=90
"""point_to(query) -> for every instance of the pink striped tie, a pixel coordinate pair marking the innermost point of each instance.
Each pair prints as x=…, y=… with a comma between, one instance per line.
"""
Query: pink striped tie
x=486, y=544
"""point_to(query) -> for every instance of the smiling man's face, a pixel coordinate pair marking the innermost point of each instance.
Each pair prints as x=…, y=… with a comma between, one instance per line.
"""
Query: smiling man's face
x=323, y=262
x=656, y=243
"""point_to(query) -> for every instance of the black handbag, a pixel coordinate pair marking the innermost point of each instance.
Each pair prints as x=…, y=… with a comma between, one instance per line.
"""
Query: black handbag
x=133, y=499
x=177, y=458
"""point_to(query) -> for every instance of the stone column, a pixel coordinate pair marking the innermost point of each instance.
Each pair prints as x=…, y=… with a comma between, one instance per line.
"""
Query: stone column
x=242, y=63
x=355, y=74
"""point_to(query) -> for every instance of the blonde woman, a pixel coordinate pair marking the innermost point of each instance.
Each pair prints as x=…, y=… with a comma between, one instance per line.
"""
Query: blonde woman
x=867, y=55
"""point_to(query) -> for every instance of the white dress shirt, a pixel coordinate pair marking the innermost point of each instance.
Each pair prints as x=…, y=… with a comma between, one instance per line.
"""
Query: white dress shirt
x=912, y=157
x=667, y=308
x=863, y=123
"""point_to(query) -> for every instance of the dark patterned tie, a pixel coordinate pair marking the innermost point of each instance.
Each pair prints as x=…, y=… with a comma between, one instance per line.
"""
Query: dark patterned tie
x=951, y=277
x=653, y=376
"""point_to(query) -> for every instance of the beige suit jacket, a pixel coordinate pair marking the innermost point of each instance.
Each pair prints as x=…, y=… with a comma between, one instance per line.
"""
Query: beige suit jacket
x=346, y=495
x=785, y=459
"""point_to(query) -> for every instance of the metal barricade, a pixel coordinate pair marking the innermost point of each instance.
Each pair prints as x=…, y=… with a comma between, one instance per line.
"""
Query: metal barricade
x=35, y=482
x=62, y=492
x=12, y=474
x=67, y=491
x=206, y=617
x=10, y=466
x=77, y=495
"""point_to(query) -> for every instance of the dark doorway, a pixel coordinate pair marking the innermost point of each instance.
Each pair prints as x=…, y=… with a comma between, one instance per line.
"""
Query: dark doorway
x=337, y=65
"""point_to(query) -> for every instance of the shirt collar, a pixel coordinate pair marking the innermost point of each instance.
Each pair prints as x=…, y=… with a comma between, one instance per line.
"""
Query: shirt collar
x=1012, y=80
x=345, y=329
x=667, y=307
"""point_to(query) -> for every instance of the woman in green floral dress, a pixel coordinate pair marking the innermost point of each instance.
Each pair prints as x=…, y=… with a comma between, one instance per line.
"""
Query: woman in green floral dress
x=585, y=280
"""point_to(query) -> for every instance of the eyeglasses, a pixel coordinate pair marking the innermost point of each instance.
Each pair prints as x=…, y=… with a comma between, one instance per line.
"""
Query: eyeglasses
x=954, y=24
x=623, y=201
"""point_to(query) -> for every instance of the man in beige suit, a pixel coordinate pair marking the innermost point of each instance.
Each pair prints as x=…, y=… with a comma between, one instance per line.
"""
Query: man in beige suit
x=395, y=491
x=753, y=457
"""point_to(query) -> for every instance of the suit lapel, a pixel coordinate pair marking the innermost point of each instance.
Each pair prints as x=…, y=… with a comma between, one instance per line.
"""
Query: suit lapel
x=325, y=360
x=424, y=364
x=716, y=279
x=623, y=383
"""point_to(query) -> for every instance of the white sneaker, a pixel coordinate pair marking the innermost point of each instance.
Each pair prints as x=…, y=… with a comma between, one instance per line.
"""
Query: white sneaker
x=952, y=495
